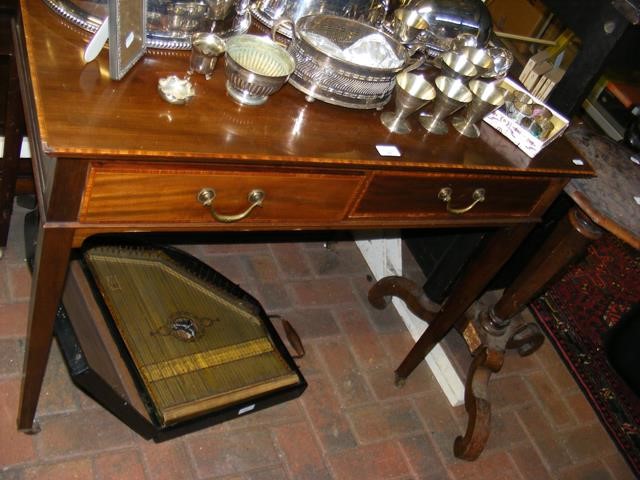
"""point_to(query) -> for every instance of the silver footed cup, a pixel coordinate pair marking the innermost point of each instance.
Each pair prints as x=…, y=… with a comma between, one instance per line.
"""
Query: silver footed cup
x=486, y=98
x=412, y=92
x=458, y=65
x=407, y=25
x=451, y=95
x=479, y=57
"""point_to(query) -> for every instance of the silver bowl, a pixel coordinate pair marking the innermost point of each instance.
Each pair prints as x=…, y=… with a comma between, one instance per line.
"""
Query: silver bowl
x=256, y=67
x=176, y=90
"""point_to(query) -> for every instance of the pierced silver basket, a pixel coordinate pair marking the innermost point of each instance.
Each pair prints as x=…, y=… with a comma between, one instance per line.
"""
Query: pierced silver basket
x=325, y=77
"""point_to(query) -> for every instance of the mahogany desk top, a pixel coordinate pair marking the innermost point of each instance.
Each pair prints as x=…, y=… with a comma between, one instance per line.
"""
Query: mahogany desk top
x=112, y=156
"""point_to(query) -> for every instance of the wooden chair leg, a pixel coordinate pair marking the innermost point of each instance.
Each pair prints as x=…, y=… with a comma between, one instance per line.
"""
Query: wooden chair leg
x=13, y=131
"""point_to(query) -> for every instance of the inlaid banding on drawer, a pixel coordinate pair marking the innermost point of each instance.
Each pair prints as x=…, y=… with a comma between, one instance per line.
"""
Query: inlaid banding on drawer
x=128, y=194
x=390, y=195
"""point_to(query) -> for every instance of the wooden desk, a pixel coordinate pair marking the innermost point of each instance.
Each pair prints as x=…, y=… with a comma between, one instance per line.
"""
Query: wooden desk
x=114, y=157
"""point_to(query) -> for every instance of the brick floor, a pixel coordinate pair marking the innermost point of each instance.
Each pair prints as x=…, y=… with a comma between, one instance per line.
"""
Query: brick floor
x=351, y=423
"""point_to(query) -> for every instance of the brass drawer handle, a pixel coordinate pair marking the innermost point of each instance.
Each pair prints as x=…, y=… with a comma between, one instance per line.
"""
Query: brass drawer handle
x=206, y=196
x=446, y=193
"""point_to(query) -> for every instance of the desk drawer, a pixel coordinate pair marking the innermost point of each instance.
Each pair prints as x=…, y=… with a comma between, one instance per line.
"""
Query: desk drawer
x=138, y=194
x=391, y=195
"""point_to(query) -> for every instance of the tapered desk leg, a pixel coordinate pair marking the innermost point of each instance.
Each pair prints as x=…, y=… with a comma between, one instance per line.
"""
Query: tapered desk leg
x=475, y=278
x=50, y=268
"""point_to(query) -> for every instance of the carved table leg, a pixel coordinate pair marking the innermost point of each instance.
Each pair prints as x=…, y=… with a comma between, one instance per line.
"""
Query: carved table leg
x=493, y=333
x=496, y=332
x=488, y=357
x=488, y=351
x=410, y=293
x=406, y=290
x=50, y=268
x=466, y=290
x=476, y=402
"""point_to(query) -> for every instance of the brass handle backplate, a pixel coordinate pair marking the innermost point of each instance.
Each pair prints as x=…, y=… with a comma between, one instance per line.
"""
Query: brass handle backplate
x=207, y=195
x=445, y=194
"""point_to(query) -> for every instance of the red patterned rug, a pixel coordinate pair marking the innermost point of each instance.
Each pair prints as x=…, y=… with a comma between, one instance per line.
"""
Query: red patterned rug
x=576, y=313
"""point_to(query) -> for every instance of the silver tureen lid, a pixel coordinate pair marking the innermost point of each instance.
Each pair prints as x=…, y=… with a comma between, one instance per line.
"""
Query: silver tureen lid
x=449, y=18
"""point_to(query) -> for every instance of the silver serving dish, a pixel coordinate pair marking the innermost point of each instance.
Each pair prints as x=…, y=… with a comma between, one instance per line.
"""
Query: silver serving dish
x=170, y=23
x=321, y=71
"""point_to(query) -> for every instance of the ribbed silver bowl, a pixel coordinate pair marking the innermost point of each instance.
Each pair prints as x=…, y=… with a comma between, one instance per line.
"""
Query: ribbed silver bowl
x=256, y=67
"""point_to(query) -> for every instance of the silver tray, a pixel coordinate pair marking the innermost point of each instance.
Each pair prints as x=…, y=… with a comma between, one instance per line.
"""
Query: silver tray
x=89, y=15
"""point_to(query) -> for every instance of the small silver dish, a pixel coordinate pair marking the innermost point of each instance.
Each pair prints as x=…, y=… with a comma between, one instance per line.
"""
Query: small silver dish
x=256, y=67
x=176, y=90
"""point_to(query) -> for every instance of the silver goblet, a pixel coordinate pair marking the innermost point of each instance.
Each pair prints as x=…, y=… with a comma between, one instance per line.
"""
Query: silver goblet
x=451, y=95
x=407, y=24
x=479, y=57
x=486, y=98
x=412, y=92
x=458, y=65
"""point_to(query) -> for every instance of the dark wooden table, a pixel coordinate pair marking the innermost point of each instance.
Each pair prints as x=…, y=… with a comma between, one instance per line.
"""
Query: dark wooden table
x=114, y=157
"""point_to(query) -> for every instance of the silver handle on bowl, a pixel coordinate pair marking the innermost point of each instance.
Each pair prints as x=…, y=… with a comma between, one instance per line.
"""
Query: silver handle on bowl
x=280, y=23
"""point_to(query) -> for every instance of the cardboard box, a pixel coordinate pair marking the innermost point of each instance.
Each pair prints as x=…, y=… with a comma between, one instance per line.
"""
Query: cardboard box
x=522, y=17
x=541, y=56
x=521, y=136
